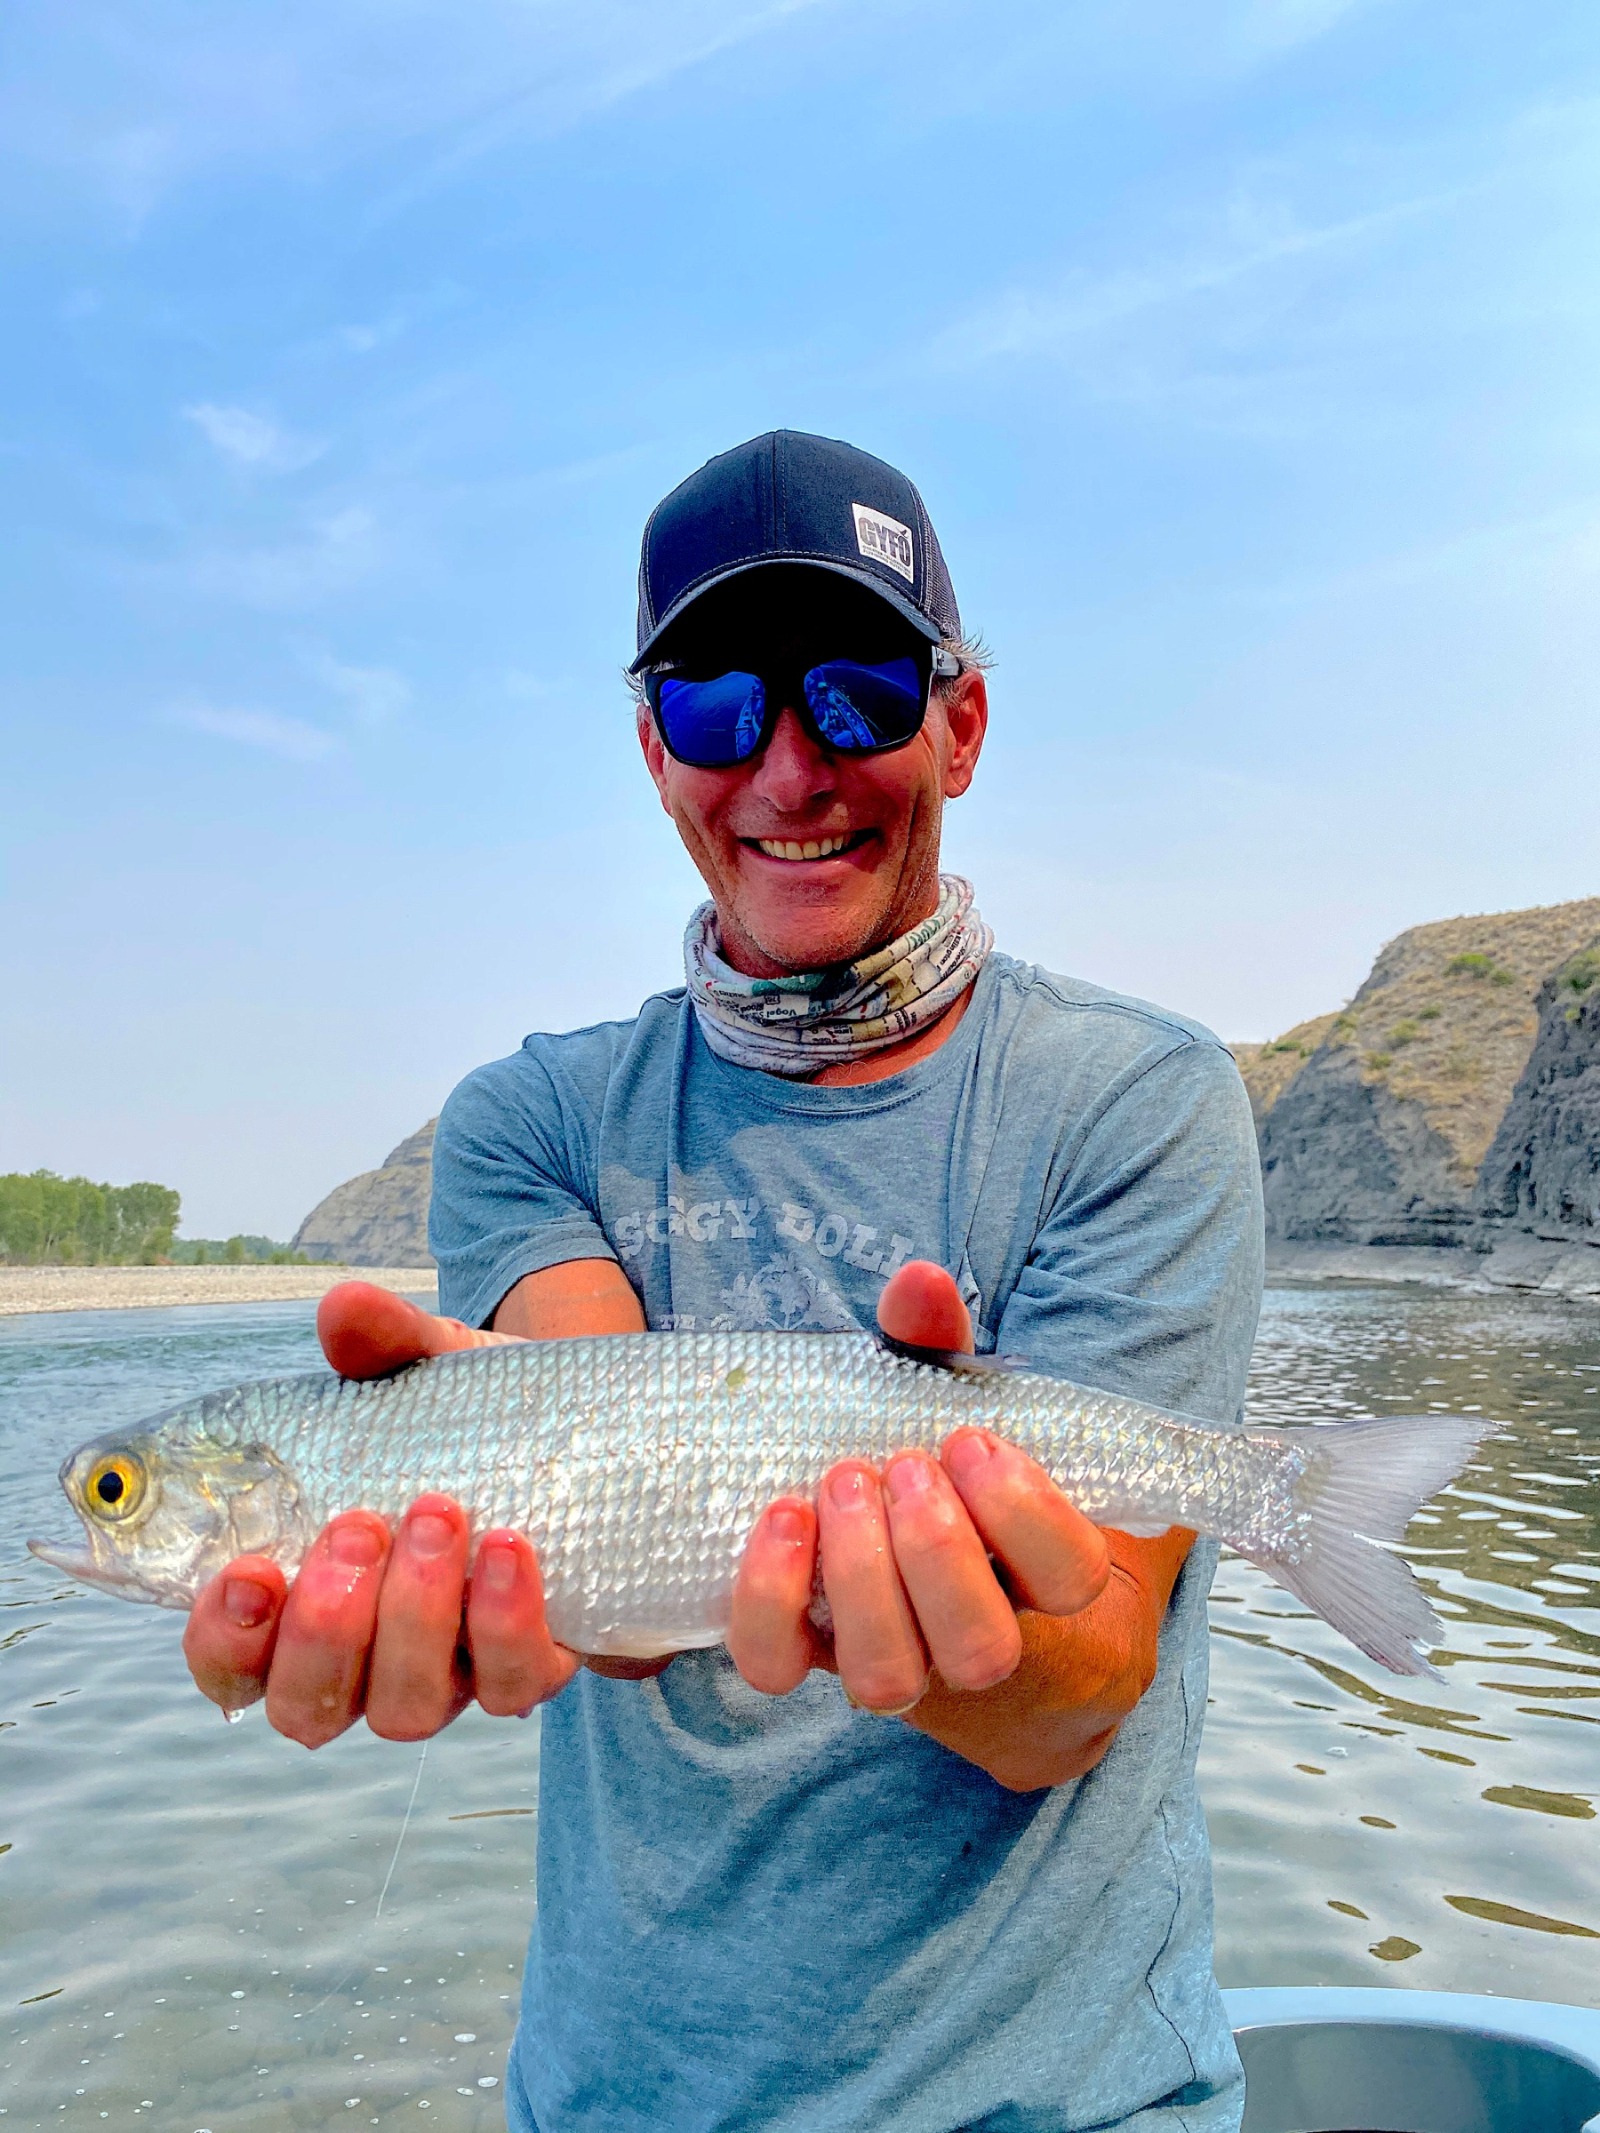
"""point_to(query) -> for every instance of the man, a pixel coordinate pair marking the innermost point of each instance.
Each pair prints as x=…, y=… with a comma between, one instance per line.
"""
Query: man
x=945, y=1867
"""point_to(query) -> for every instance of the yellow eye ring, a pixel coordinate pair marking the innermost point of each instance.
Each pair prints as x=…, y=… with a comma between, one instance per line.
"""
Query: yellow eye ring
x=114, y=1487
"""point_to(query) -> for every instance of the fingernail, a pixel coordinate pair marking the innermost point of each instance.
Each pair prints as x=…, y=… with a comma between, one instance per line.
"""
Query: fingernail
x=356, y=1546
x=847, y=1488
x=787, y=1523
x=873, y=1710
x=246, y=1602
x=497, y=1567
x=428, y=1535
x=968, y=1454
x=906, y=1478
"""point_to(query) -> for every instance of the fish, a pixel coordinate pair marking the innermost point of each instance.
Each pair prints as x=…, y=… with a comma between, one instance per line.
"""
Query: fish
x=637, y=1465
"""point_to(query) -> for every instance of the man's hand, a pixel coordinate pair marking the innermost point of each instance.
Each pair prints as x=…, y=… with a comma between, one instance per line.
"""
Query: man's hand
x=384, y=1624
x=1029, y=1678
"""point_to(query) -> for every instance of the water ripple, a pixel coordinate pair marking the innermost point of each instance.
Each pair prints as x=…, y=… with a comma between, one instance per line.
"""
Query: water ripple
x=190, y=1910
x=1483, y=1784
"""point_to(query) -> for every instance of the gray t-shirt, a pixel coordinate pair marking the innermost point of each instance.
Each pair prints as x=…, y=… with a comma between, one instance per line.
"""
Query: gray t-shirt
x=776, y=1912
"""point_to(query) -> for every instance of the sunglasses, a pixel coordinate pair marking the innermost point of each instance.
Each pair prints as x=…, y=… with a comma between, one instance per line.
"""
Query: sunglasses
x=856, y=707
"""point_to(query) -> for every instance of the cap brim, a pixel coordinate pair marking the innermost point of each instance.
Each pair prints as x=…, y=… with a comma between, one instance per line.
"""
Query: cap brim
x=902, y=603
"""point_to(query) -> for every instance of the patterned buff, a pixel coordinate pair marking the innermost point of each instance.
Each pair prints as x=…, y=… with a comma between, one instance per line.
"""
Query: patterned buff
x=798, y=1025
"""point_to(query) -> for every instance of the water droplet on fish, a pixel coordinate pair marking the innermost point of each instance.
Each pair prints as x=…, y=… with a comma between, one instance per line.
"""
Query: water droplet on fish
x=233, y=1717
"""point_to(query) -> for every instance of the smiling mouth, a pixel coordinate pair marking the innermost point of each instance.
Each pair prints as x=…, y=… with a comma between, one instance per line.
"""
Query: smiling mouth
x=788, y=848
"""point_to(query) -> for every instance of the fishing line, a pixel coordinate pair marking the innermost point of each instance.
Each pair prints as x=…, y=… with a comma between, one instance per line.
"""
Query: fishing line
x=404, y=1826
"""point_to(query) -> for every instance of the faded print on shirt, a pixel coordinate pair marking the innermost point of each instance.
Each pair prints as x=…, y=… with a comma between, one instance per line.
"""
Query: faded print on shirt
x=790, y=1290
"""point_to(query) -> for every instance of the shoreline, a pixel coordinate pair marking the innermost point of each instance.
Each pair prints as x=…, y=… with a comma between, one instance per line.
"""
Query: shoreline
x=1520, y=1265
x=1527, y=1265
x=28, y=1289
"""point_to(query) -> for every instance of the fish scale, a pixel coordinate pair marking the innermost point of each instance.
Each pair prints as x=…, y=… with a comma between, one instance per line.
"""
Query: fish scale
x=637, y=1464
x=529, y=1437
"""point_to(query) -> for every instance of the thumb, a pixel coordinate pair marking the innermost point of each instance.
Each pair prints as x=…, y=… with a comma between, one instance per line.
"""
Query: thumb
x=366, y=1331
x=922, y=1306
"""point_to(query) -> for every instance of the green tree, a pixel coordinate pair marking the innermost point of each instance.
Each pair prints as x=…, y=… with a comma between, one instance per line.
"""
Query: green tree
x=144, y=1218
x=48, y=1220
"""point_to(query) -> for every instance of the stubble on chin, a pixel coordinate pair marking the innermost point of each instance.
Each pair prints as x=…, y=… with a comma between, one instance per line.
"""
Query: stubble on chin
x=814, y=936
x=816, y=931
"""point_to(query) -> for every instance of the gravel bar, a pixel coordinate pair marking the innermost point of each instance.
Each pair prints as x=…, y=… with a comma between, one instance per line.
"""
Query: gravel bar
x=125, y=1288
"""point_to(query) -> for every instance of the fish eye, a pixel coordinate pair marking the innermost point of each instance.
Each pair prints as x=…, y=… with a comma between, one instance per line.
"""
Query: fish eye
x=115, y=1485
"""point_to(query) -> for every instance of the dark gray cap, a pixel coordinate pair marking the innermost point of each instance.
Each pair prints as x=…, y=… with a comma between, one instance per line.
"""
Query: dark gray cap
x=788, y=497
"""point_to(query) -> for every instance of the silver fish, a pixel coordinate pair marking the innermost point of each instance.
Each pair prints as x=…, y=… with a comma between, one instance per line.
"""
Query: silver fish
x=637, y=1465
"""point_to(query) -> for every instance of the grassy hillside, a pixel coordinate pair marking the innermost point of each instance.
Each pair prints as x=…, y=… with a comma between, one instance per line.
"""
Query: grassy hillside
x=1445, y=1021
x=1268, y=1069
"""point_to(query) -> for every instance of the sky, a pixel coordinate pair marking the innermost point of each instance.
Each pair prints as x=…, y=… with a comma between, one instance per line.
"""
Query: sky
x=1245, y=353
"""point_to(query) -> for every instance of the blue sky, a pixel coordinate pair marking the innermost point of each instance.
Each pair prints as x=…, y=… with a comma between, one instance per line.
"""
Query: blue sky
x=1244, y=352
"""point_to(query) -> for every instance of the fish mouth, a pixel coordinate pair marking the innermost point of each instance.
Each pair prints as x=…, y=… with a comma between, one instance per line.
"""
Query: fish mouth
x=78, y=1563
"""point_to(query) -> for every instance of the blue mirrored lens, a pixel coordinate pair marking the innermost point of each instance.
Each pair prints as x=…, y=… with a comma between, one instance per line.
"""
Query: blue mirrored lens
x=712, y=722
x=861, y=707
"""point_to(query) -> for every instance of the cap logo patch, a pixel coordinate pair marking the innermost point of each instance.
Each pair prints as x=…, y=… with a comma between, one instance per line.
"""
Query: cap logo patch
x=884, y=540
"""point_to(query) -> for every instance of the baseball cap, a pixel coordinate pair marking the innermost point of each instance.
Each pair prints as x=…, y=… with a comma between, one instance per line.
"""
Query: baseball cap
x=789, y=497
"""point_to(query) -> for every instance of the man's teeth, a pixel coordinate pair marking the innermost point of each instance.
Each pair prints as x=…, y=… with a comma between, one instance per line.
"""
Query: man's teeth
x=823, y=848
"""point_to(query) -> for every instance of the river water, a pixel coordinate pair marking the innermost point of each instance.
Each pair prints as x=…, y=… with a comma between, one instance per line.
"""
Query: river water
x=202, y=1927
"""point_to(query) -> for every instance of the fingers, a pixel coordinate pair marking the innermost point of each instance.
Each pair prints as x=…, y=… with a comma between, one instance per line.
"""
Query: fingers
x=877, y=1648
x=967, y=1623
x=516, y=1663
x=319, y=1663
x=922, y=1306
x=1056, y=1558
x=366, y=1331
x=770, y=1635
x=417, y=1683
x=232, y=1629
x=374, y=1626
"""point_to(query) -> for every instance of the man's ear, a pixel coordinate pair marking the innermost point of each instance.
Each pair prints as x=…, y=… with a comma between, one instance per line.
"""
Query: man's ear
x=655, y=756
x=966, y=718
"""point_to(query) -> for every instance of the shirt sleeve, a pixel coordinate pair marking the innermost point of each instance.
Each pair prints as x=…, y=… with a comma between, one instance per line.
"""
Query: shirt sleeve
x=512, y=1191
x=1145, y=1275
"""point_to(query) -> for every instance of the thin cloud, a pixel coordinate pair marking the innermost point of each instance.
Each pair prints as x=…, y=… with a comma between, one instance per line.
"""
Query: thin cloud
x=1555, y=553
x=363, y=339
x=375, y=695
x=251, y=440
x=1044, y=319
x=632, y=66
x=295, y=739
x=337, y=552
x=137, y=116
x=1272, y=26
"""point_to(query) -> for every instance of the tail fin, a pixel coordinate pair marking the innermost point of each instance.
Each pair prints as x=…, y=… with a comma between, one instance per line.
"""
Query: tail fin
x=1361, y=1486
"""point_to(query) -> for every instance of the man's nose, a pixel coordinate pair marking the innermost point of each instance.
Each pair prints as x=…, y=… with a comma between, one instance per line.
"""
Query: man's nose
x=793, y=769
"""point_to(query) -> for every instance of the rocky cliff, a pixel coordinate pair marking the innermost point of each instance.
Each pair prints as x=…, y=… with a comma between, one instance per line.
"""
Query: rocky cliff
x=1542, y=1171
x=1455, y=1103
x=379, y=1218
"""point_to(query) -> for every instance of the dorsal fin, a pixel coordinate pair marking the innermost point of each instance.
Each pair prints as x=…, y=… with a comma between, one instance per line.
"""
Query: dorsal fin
x=955, y=1360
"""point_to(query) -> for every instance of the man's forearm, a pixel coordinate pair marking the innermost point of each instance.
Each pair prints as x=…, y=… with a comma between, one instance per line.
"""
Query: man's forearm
x=1079, y=1677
